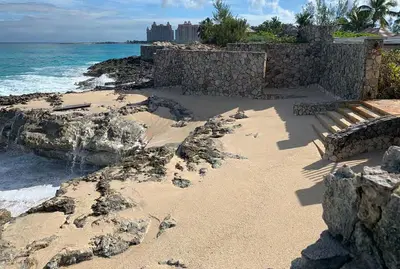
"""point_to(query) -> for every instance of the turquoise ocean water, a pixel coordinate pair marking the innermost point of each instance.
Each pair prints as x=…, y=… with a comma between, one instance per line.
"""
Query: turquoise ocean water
x=28, y=68
x=27, y=180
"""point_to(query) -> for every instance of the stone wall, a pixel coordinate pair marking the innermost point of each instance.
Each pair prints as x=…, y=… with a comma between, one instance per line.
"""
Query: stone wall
x=223, y=73
x=147, y=52
x=351, y=70
x=367, y=136
x=362, y=215
x=168, y=68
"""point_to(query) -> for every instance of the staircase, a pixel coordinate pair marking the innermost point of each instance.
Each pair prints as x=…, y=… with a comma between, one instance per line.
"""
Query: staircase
x=342, y=118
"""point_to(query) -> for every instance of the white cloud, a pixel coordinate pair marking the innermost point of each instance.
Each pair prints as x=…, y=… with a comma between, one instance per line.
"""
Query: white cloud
x=261, y=10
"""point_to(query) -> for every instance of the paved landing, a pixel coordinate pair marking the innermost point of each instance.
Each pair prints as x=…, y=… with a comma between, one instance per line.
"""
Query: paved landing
x=387, y=106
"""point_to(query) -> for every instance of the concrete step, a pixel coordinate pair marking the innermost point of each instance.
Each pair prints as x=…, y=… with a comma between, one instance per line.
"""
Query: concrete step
x=374, y=108
x=320, y=130
x=363, y=111
x=339, y=119
x=350, y=114
x=320, y=146
x=328, y=123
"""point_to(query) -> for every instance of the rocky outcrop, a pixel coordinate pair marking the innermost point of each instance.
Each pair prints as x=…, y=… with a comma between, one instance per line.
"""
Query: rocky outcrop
x=201, y=144
x=22, y=99
x=5, y=216
x=168, y=223
x=112, y=202
x=362, y=215
x=56, y=204
x=128, y=73
x=69, y=257
x=99, y=139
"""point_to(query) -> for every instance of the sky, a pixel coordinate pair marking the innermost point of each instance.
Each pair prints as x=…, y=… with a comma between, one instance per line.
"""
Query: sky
x=119, y=20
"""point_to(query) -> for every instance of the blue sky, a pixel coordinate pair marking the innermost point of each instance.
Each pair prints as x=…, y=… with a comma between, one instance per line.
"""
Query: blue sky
x=119, y=20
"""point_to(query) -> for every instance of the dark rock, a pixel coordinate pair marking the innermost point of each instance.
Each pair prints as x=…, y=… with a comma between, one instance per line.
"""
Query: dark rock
x=179, y=166
x=62, y=204
x=40, y=244
x=80, y=221
x=239, y=115
x=111, y=203
x=54, y=100
x=21, y=99
x=181, y=182
x=167, y=223
x=203, y=171
x=173, y=263
x=69, y=257
x=326, y=253
x=108, y=245
x=391, y=160
x=5, y=216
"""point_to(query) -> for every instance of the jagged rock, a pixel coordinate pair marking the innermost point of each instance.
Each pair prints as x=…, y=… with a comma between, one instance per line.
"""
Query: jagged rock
x=80, y=221
x=108, y=245
x=21, y=99
x=388, y=232
x=167, y=223
x=40, y=244
x=179, y=124
x=200, y=145
x=99, y=139
x=69, y=257
x=340, y=202
x=62, y=204
x=133, y=231
x=179, y=112
x=54, y=100
x=5, y=216
x=181, y=182
x=111, y=203
x=239, y=115
x=391, y=160
x=179, y=166
x=174, y=263
x=326, y=253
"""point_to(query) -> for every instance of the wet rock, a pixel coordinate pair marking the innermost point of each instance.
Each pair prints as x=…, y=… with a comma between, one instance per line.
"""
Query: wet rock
x=239, y=115
x=111, y=203
x=69, y=257
x=326, y=253
x=80, y=221
x=181, y=182
x=133, y=231
x=108, y=245
x=40, y=244
x=5, y=216
x=341, y=202
x=62, y=204
x=167, y=223
x=173, y=263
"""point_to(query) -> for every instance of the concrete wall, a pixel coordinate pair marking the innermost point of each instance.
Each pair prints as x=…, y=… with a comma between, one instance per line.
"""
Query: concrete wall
x=168, y=68
x=147, y=52
x=223, y=73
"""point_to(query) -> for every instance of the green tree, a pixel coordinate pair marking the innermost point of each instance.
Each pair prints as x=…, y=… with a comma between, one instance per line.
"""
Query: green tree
x=273, y=26
x=223, y=28
x=306, y=15
x=380, y=10
x=356, y=20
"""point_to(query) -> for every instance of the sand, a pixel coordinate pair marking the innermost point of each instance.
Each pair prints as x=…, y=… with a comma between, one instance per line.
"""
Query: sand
x=260, y=212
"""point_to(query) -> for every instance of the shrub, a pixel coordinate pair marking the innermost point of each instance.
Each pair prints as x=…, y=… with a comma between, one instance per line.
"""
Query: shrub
x=270, y=38
x=389, y=76
x=345, y=34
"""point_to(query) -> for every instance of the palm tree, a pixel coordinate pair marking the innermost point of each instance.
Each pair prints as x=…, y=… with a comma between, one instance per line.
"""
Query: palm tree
x=380, y=9
x=306, y=16
x=357, y=19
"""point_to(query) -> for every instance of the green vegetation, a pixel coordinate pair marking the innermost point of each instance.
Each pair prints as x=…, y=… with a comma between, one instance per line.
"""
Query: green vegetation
x=389, y=76
x=350, y=18
x=345, y=34
x=269, y=37
x=272, y=31
x=223, y=28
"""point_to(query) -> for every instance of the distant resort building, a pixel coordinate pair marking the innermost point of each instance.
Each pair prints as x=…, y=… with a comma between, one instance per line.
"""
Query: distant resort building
x=160, y=32
x=187, y=33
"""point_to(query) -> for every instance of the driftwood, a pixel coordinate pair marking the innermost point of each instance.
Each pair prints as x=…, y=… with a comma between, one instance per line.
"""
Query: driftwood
x=63, y=108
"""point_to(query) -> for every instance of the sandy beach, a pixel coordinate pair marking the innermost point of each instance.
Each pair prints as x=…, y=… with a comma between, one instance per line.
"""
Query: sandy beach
x=257, y=212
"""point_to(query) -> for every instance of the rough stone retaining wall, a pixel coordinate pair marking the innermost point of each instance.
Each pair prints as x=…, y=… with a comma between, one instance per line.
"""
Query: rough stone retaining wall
x=367, y=136
x=351, y=70
x=168, y=68
x=301, y=109
x=362, y=215
x=147, y=52
x=223, y=73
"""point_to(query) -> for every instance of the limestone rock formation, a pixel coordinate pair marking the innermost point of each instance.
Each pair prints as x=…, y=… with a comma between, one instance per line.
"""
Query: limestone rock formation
x=167, y=223
x=69, y=257
x=108, y=245
x=62, y=204
x=111, y=203
x=362, y=215
x=5, y=216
